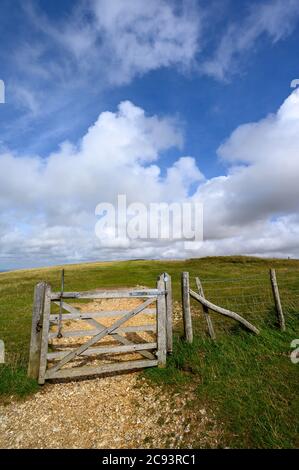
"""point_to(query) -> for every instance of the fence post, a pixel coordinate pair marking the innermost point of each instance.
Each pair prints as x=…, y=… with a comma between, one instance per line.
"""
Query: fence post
x=45, y=335
x=168, y=288
x=36, y=330
x=186, y=307
x=161, y=323
x=205, y=309
x=276, y=296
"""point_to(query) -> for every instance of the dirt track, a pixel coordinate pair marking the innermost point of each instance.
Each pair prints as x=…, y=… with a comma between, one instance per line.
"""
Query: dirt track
x=110, y=412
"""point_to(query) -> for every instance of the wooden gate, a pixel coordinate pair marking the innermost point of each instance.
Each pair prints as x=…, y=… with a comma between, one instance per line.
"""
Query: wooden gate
x=62, y=362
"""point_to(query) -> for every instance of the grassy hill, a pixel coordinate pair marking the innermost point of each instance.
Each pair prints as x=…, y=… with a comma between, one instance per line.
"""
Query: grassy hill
x=248, y=382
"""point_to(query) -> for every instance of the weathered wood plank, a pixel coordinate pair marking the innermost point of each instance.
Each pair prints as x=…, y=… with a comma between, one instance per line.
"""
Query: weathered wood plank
x=277, y=301
x=125, y=329
x=188, y=331
x=118, y=337
x=67, y=307
x=223, y=311
x=45, y=334
x=169, y=333
x=106, y=350
x=36, y=330
x=102, y=333
x=205, y=309
x=161, y=324
x=103, y=314
x=127, y=342
x=88, y=370
x=109, y=294
x=98, y=325
x=76, y=314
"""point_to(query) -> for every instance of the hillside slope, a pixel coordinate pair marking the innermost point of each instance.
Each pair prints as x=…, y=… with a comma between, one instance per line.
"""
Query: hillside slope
x=248, y=382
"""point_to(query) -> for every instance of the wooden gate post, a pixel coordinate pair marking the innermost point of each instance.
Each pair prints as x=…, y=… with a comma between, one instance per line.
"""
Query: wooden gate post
x=45, y=335
x=168, y=288
x=186, y=308
x=36, y=330
x=161, y=323
x=276, y=296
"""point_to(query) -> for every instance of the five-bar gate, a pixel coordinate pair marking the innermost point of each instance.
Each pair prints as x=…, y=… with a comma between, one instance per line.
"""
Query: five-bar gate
x=62, y=362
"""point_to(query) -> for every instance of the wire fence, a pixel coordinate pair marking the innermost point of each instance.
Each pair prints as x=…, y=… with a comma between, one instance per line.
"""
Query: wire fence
x=251, y=297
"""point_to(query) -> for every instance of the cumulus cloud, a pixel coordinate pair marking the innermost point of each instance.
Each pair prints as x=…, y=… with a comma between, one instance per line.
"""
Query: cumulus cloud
x=260, y=194
x=48, y=204
x=116, y=152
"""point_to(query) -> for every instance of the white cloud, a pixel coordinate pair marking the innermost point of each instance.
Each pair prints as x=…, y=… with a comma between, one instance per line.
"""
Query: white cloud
x=99, y=44
x=25, y=98
x=61, y=67
x=117, y=151
x=260, y=192
x=274, y=18
x=121, y=40
x=48, y=203
x=143, y=36
x=103, y=43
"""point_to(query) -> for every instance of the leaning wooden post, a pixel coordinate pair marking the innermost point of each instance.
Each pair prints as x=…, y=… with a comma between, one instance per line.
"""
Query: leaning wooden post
x=168, y=289
x=223, y=311
x=276, y=296
x=36, y=330
x=161, y=323
x=186, y=308
x=205, y=309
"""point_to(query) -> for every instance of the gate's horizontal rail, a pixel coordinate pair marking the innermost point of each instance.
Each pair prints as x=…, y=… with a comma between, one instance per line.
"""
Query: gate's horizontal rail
x=107, y=350
x=88, y=370
x=109, y=294
x=102, y=314
x=125, y=329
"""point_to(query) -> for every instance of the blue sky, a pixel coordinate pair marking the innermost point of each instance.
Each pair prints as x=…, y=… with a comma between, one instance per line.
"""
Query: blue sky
x=203, y=68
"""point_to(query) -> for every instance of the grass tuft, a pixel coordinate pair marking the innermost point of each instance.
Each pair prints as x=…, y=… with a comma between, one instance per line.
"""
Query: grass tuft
x=14, y=381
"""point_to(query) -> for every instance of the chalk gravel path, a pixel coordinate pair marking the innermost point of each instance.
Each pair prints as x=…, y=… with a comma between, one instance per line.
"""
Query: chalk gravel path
x=110, y=412
x=123, y=411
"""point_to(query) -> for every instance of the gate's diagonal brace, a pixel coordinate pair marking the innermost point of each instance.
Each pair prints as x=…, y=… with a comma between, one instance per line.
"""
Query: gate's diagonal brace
x=99, y=326
x=67, y=307
x=119, y=337
x=101, y=335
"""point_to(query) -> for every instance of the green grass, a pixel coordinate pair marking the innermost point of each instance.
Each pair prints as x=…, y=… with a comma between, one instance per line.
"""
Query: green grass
x=13, y=378
x=247, y=381
x=14, y=382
